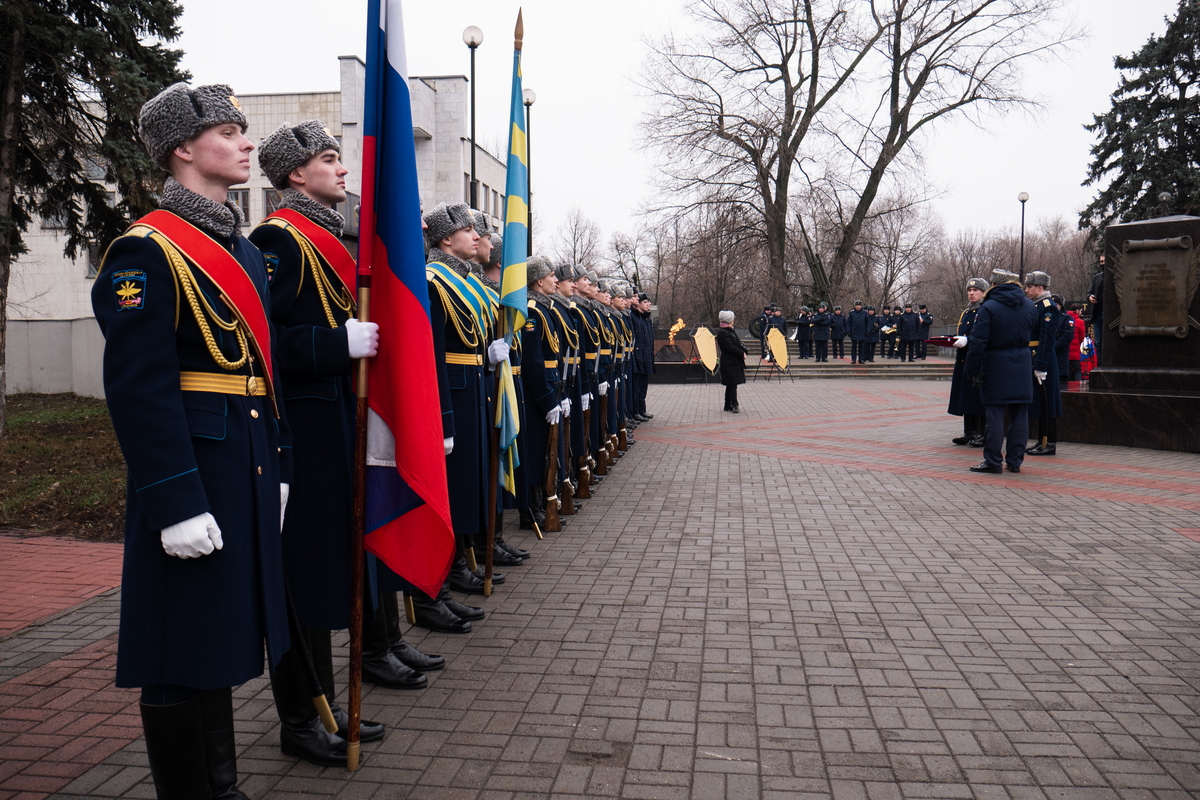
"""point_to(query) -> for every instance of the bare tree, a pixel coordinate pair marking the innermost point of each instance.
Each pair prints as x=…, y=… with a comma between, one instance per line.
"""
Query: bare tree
x=577, y=241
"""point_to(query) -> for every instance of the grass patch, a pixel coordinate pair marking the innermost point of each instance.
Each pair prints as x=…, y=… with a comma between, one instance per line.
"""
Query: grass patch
x=61, y=470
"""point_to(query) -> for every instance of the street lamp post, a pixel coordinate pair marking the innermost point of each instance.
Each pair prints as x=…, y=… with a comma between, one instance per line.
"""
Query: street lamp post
x=1164, y=198
x=1023, y=197
x=473, y=37
x=529, y=97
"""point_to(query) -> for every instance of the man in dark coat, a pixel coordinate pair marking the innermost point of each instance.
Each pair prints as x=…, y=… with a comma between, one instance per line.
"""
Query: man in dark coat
x=192, y=387
x=1046, y=407
x=542, y=344
x=910, y=331
x=643, y=362
x=888, y=331
x=856, y=324
x=837, y=333
x=821, y=323
x=964, y=395
x=733, y=360
x=874, y=323
x=998, y=361
x=761, y=322
x=925, y=322
x=1096, y=304
x=804, y=336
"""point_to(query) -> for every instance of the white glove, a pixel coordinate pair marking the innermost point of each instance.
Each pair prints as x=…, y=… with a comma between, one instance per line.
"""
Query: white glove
x=604, y=388
x=497, y=351
x=565, y=405
x=448, y=444
x=960, y=341
x=1041, y=376
x=586, y=401
x=284, y=489
x=363, y=338
x=553, y=415
x=193, y=537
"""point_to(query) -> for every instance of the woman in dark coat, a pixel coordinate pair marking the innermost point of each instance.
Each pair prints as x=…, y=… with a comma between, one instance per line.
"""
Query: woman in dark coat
x=733, y=360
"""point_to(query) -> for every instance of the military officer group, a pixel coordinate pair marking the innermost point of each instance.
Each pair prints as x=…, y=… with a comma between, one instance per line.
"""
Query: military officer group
x=227, y=371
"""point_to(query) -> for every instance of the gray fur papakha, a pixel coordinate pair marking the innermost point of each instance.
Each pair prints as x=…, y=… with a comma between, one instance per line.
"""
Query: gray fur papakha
x=481, y=223
x=179, y=112
x=497, y=251
x=291, y=146
x=1037, y=278
x=977, y=283
x=566, y=272
x=537, y=268
x=1000, y=276
x=445, y=219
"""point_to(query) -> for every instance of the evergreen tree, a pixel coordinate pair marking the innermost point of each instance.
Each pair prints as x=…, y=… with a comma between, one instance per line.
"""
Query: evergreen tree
x=73, y=75
x=1149, y=141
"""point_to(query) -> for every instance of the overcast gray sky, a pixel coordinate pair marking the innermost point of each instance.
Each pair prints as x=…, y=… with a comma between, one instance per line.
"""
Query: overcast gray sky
x=582, y=60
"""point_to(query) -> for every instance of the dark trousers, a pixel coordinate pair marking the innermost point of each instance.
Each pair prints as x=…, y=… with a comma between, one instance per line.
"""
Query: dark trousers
x=839, y=348
x=908, y=349
x=887, y=347
x=1074, y=370
x=731, y=396
x=922, y=345
x=867, y=352
x=1046, y=430
x=805, y=348
x=858, y=350
x=641, y=383
x=822, y=349
x=1097, y=328
x=1017, y=434
x=972, y=425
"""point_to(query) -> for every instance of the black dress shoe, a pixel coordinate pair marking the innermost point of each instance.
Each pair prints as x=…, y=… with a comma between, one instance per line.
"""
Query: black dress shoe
x=1042, y=450
x=737, y=410
x=462, y=610
x=986, y=467
x=961, y=440
x=500, y=557
x=1011, y=468
x=368, y=731
x=512, y=549
x=647, y=416
x=308, y=739
x=413, y=658
x=976, y=442
x=386, y=670
x=434, y=615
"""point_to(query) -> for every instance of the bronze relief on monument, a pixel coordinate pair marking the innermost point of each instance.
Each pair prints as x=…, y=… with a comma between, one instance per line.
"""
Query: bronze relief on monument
x=1155, y=281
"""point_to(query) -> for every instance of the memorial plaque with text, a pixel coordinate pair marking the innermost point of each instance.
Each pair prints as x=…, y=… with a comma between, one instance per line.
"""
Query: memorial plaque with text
x=1155, y=280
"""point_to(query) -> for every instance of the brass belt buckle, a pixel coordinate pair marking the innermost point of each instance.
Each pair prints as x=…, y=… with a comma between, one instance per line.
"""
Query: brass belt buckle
x=251, y=386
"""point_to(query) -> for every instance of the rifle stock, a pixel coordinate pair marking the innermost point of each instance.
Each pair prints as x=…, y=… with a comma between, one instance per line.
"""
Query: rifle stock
x=551, y=481
x=566, y=506
x=585, y=474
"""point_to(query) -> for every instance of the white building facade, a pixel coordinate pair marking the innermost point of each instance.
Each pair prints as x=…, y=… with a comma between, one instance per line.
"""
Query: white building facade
x=53, y=343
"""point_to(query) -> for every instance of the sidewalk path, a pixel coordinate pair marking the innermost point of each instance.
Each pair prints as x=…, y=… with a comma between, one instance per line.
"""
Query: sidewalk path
x=811, y=599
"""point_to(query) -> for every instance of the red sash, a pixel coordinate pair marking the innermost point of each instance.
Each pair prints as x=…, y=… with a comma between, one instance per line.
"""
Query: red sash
x=219, y=265
x=326, y=243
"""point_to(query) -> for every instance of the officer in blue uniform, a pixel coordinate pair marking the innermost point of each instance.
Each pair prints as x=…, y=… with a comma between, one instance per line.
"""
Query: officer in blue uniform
x=888, y=331
x=856, y=323
x=591, y=340
x=820, y=325
x=998, y=361
x=1046, y=407
x=541, y=345
x=803, y=323
x=964, y=395
x=190, y=386
x=910, y=330
x=874, y=324
x=569, y=446
x=925, y=322
x=837, y=333
x=643, y=359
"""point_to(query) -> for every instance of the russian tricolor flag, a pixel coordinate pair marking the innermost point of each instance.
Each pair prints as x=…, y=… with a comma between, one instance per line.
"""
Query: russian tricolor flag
x=407, y=507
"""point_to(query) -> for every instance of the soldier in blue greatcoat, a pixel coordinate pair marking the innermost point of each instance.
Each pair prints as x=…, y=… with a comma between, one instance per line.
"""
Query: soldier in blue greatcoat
x=191, y=388
x=1046, y=407
x=964, y=395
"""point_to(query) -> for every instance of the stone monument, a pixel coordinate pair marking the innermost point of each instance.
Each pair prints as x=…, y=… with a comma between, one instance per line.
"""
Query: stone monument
x=1146, y=391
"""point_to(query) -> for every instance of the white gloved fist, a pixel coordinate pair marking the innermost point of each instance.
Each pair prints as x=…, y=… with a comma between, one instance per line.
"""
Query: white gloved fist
x=565, y=405
x=193, y=537
x=604, y=388
x=553, y=415
x=1040, y=375
x=362, y=337
x=497, y=351
x=960, y=341
x=448, y=444
x=586, y=401
x=284, y=489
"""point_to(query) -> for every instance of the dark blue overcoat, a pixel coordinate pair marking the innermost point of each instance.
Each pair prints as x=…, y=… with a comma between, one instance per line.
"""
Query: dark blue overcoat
x=1047, y=397
x=999, y=346
x=839, y=326
x=857, y=324
x=964, y=397
x=540, y=375
x=821, y=324
x=198, y=622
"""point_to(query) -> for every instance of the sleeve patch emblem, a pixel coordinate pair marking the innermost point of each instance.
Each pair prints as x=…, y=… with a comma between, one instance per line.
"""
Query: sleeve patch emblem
x=271, y=261
x=129, y=288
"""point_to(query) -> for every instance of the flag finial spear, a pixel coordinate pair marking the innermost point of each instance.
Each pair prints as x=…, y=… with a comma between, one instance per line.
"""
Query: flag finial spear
x=520, y=31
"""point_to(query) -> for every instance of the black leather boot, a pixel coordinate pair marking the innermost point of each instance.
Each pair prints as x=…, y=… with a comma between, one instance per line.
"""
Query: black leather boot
x=177, y=751
x=500, y=557
x=379, y=666
x=301, y=732
x=368, y=731
x=462, y=579
x=497, y=577
x=435, y=616
x=408, y=655
x=462, y=610
x=216, y=709
x=320, y=646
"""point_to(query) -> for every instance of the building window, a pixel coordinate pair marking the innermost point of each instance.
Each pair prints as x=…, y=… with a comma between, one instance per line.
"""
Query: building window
x=467, y=188
x=349, y=209
x=271, y=200
x=94, y=256
x=241, y=199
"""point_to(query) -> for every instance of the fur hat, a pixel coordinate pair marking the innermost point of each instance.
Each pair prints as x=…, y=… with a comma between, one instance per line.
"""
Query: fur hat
x=291, y=146
x=481, y=222
x=822, y=304
x=870, y=308
x=591, y=276
x=858, y=302
x=837, y=308
x=977, y=283
x=1000, y=276
x=566, y=272
x=1037, y=278
x=629, y=290
x=444, y=219
x=497, y=251
x=179, y=112
x=725, y=316
x=537, y=268
x=643, y=297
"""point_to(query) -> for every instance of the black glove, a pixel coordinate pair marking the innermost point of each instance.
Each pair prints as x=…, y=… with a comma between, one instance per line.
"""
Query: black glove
x=976, y=380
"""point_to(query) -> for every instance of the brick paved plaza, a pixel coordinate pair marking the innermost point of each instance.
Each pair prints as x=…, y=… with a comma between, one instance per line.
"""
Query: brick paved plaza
x=811, y=599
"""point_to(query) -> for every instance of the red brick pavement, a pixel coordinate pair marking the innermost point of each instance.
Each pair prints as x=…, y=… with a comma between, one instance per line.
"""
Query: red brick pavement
x=59, y=720
x=41, y=576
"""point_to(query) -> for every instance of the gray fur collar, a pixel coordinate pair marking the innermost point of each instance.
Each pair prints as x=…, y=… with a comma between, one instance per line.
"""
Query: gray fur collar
x=539, y=298
x=324, y=216
x=452, y=261
x=222, y=219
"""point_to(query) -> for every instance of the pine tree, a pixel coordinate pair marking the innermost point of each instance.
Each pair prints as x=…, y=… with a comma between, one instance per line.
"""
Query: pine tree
x=1149, y=141
x=73, y=75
